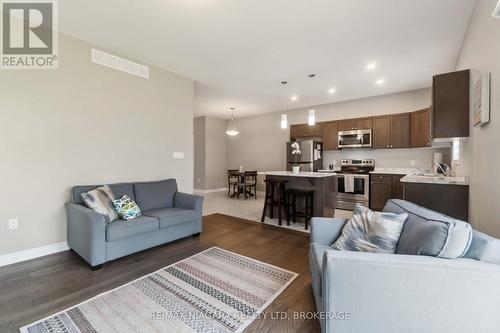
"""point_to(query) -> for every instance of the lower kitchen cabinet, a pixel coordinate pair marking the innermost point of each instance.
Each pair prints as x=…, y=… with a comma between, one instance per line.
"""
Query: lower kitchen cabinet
x=383, y=188
x=451, y=200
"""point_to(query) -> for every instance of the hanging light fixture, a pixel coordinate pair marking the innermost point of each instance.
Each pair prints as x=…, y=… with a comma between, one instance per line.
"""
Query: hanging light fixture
x=231, y=129
x=284, y=118
x=311, y=115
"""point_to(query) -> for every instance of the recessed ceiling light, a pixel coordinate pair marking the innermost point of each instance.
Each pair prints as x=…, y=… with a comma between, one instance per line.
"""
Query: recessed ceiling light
x=380, y=81
x=294, y=98
x=371, y=66
x=332, y=91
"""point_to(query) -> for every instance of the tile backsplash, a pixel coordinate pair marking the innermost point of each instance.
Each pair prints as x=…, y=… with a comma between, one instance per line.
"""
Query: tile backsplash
x=388, y=158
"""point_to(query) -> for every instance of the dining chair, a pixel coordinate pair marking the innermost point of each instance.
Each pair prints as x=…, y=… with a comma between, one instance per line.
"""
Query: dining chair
x=233, y=179
x=248, y=182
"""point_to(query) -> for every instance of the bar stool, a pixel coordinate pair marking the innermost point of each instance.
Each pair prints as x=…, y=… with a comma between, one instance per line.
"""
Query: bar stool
x=291, y=199
x=275, y=186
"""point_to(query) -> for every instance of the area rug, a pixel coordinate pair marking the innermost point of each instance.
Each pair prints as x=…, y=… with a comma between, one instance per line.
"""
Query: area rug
x=212, y=291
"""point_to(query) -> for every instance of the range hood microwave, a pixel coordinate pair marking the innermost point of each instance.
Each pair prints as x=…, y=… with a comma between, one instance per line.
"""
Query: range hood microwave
x=355, y=139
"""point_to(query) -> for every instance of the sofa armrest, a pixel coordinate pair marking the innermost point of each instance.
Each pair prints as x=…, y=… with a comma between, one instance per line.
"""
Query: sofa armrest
x=86, y=233
x=190, y=201
x=401, y=293
x=326, y=230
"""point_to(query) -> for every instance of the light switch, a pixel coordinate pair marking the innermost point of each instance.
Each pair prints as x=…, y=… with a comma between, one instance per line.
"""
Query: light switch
x=178, y=155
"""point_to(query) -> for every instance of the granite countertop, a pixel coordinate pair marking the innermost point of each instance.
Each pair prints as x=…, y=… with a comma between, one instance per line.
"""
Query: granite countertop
x=394, y=171
x=414, y=178
x=301, y=174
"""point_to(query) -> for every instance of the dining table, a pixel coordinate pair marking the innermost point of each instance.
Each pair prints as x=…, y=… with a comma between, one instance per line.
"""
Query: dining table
x=241, y=178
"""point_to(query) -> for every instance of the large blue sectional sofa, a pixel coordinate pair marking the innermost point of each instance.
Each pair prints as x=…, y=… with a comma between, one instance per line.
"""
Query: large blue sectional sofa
x=359, y=292
x=167, y=215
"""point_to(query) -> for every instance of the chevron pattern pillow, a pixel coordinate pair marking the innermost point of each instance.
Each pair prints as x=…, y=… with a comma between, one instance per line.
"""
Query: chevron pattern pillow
x=369, y=231
x=126, y=208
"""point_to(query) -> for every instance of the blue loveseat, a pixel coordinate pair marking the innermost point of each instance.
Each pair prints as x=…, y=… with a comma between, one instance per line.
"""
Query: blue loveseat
x=167, y=215
x=359, y=292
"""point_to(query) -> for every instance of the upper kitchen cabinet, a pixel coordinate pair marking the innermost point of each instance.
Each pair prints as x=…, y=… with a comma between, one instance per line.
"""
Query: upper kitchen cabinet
x=420, y=128
x=450, y=104
x=301, y=131
x=400, y=130
x=330, y=135
x=391, y=131
x=355, y=124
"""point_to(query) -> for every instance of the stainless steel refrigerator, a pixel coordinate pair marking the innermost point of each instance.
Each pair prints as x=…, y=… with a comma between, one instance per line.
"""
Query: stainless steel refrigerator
x=311, y=157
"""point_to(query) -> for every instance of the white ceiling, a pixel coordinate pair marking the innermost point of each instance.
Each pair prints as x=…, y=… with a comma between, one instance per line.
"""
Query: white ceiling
x=238, y=51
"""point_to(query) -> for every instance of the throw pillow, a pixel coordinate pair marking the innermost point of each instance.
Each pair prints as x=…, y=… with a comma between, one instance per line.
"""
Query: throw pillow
x=126, y=208
x=369, y=231
x=101, y=201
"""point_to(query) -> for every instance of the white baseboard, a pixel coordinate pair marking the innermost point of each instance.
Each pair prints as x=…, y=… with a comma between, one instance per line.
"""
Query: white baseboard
x=15, y=257
x=199, y=191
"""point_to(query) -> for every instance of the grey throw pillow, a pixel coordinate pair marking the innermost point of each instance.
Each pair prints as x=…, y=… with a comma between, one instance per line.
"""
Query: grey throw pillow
x=101, y=201
x=369, y=231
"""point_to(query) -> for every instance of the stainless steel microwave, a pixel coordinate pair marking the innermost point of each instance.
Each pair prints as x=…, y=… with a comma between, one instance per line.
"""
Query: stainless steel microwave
x=355, y=139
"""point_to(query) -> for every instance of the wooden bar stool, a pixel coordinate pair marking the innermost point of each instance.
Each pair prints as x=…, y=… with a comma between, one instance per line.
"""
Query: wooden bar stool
x=291, y=199
x=275, y=187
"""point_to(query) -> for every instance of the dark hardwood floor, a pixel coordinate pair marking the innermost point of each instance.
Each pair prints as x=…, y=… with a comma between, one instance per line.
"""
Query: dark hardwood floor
x=37, y=288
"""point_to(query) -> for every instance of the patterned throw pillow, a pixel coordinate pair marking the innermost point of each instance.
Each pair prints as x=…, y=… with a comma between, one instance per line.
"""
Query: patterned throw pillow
x=369, y=231
x=126, y=208
x=101, y=201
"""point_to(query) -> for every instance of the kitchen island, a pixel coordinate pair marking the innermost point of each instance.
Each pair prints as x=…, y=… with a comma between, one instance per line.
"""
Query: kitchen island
x=323, y=185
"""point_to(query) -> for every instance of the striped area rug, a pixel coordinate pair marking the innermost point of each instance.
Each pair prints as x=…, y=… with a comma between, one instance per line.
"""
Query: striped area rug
x=212, y=291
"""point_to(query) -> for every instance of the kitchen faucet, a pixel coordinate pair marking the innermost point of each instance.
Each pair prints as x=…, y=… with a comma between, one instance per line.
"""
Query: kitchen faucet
x=444, y=171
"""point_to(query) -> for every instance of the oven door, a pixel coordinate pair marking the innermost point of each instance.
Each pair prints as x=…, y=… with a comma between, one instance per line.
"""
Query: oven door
x=355, y=139
x=361, y=189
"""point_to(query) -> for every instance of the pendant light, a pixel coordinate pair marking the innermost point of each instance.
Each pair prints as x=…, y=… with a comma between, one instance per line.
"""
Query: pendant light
x=311, y=115
x=284, y=118
x=231, y=129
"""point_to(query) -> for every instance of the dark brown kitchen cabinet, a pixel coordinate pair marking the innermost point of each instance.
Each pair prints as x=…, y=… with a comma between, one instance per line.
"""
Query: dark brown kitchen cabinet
x=383, y=188
x=451, y=200
x=346, y=125
x=450, y=104
x=355, y=124
x=380, y=191
x=420, y=128
x=330, y=135
x=381, y=132
x=400, y=130
x=391, y=131
x=301, y=131
x=397, y=187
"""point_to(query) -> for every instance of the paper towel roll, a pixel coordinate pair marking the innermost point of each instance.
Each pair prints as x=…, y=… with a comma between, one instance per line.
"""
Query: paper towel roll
x=438, y=157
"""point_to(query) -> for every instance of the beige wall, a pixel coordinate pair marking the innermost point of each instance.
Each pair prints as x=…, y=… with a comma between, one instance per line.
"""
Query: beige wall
x=210, y=153
x=84, y=124
x=481, y=53
x=261, y=143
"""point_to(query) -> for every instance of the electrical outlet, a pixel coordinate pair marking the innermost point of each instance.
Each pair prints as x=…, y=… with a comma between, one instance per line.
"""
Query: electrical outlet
x=13, y=223
x=178, y=155
x=413, y=163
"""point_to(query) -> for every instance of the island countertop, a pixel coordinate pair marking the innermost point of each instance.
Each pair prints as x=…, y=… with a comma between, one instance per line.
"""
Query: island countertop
x=302, y=174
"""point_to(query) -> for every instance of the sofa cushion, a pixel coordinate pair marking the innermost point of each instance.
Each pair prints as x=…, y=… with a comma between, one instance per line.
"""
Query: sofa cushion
x=155, y=195
x=101, y=201
x=118, y=190
x=121, y=229
x=369, y=231
x=317, y=251
x=172, y=216
x=484, y=248
x=427, y=232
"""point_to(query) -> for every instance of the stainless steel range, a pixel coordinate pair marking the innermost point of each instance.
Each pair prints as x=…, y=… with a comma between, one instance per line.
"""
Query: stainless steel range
x=352, y=185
